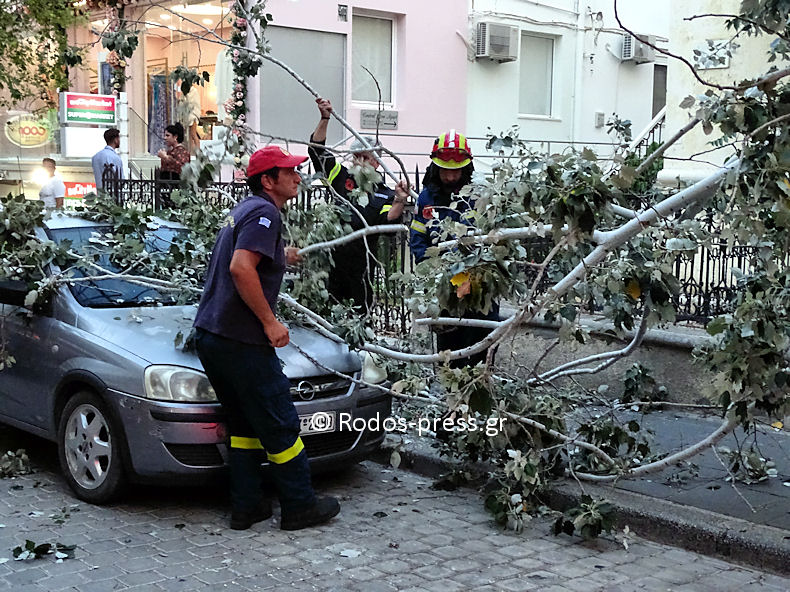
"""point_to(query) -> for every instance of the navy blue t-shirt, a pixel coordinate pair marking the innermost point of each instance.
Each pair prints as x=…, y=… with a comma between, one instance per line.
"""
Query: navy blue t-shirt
x=253, y=225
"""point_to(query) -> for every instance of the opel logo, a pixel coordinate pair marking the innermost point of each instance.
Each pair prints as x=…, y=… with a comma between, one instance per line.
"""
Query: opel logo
x=305, y=390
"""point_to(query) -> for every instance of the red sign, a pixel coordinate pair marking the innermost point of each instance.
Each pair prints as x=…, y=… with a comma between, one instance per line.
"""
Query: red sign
x=77, y=190
x=86, y=108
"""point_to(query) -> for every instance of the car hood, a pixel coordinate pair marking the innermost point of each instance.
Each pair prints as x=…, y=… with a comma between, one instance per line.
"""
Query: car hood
x=150, y=334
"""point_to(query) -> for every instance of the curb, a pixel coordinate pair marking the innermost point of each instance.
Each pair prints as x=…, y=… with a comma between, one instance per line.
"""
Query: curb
x=662, y=521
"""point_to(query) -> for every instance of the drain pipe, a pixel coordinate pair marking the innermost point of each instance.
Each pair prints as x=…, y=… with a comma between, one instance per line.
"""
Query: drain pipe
x=578, y=74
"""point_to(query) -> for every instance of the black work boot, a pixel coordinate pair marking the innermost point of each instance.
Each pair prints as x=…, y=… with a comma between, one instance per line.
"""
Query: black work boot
x=242, y=520
x=324, y=509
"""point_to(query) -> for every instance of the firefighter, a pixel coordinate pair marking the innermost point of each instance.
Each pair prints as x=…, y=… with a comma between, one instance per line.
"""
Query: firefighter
x=450, y=170
x=236, y=333
x=352, y=273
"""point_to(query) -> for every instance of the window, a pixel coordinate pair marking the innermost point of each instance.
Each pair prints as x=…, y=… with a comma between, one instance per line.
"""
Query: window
x=536, y=75
x=286, y=110
x=659, y=88
x=371, y=48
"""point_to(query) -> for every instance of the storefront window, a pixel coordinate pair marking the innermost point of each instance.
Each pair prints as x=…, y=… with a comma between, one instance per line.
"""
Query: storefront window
x=182, y=36
x=29, y=133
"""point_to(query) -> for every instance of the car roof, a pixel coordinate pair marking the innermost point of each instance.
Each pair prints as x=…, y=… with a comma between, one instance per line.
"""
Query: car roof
x=60, y=220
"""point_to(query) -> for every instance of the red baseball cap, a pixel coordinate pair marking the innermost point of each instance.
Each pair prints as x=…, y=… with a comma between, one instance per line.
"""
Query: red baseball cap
x=270, y=157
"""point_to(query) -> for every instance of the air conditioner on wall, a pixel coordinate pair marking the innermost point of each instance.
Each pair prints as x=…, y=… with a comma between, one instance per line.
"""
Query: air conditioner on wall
x=497, y=42
x=636, y=51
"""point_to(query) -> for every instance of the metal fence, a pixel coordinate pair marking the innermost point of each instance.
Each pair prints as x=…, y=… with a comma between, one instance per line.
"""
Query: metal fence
x=706, y=277
x=155, y=193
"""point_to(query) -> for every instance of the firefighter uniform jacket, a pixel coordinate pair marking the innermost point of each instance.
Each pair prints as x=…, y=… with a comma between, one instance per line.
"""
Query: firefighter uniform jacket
x=432, y=208
x=347, y=279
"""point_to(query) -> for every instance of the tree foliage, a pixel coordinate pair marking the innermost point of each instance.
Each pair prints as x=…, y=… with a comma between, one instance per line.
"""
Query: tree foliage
x=35, y=49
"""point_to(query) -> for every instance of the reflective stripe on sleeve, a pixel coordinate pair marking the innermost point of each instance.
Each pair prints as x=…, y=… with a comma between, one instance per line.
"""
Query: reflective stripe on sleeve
x=245, y=443
x=287, y=454
x=418, y=226
x=334, y=172
x=385, y=209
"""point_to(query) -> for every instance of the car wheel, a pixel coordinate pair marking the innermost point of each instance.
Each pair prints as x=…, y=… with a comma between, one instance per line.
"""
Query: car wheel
x=90, y=448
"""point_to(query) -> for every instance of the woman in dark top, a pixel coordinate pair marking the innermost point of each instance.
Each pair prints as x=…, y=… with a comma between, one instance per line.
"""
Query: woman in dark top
x=175, y=156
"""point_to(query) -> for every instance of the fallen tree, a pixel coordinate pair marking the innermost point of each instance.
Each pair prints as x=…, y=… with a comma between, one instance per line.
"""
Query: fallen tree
x=607, y=253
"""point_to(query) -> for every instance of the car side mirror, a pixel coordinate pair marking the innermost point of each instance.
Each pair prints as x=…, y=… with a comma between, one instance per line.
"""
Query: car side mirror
x=13, y=292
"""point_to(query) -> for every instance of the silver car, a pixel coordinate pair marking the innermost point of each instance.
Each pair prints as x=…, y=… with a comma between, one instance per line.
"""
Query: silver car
x=99, y=372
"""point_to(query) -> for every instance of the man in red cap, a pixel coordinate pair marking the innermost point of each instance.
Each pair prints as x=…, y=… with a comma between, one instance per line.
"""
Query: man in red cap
x=236, y=333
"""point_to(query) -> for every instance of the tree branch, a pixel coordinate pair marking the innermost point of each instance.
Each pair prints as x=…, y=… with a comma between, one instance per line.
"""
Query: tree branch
x=379, y=229
x=360, y=382
x=614, y=238
x=663, y=148
x=725, y=428
x=571, y=368
x=739, y=18
x=560, y=436
x=765, y=126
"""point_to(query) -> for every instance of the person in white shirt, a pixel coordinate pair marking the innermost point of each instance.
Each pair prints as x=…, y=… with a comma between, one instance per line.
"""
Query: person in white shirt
x=53, y=191
x=107, y=156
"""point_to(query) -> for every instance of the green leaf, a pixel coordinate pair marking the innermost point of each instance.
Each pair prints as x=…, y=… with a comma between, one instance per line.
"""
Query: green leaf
x=687, y=102
x=716, y=326
x=568, y=312
x=588, y=154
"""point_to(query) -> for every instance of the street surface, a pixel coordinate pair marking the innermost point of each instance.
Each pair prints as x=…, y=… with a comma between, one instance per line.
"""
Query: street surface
x=393, y=533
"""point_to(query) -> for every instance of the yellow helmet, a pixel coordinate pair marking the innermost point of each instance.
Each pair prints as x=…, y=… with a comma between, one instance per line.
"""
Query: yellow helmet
x=451, y=151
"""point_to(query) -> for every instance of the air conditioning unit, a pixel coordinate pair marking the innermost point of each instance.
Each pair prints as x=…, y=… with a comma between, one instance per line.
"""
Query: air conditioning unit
x=635, y=50
x=497, y=42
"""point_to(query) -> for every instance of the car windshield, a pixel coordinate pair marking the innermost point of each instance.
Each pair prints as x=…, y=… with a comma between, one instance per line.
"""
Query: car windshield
x=114, y=292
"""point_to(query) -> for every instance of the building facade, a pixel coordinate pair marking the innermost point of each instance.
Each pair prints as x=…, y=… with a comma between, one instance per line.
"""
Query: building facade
x=694, y=157
x=567, y=73
x=406, y=58
x=558, y=73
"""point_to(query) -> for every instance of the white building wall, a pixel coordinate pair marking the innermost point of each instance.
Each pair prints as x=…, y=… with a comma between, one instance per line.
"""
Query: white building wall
x=748, y=61
x=588, y=76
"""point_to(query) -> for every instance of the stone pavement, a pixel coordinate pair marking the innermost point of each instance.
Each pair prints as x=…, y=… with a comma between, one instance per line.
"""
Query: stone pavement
x=393, y=533
x=689, y=505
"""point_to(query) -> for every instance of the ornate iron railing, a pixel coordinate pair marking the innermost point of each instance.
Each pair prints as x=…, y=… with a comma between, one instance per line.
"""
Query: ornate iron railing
x=706, y=277
x=155, y=193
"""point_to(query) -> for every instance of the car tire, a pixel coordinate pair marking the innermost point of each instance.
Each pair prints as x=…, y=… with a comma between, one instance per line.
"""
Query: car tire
x=90, y=448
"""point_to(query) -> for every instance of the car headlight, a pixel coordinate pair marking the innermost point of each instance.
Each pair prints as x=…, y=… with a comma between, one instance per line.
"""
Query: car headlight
x=174, y=383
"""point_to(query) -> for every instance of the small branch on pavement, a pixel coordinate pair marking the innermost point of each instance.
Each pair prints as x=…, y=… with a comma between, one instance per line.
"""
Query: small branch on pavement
x=711, y=440
x=732, y=479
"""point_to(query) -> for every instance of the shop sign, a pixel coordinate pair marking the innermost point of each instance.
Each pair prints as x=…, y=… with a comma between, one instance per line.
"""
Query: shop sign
x=27, y=131
x=85, y=108
x=79, y=190
x=75, y=191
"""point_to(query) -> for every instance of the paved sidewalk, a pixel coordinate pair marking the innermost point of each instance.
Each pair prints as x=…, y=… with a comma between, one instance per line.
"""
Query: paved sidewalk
x=394, y=533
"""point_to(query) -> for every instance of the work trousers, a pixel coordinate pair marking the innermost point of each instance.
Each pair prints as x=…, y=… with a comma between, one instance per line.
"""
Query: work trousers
x=351, y=277
x=456, y=338
x=255, y=395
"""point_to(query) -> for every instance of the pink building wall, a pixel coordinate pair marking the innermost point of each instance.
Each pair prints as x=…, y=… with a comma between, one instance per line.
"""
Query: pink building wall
x=429, y=91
